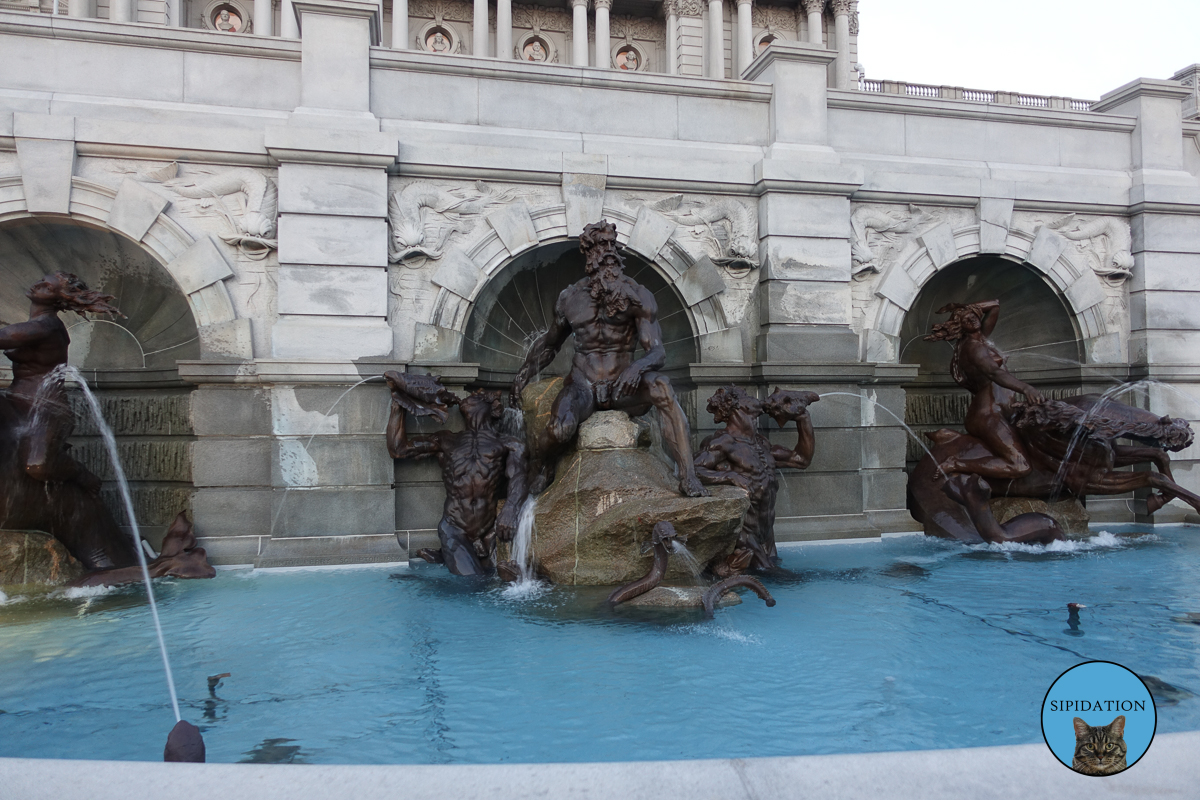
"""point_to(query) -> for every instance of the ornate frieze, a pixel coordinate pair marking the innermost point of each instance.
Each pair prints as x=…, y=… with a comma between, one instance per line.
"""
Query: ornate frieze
x=727, y=227
x=881, y=233
x=541, y=18
x=442, y=10
x=1105, y=242
x=774, y=19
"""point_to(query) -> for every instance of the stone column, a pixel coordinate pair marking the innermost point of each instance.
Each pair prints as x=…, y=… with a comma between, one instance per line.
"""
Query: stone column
x=264, y=24
x=1163, y=292
x=579, y=42
x=815, y=9
x=479, y=29
x=123, y=11
x=289, y=20
x=745, y=37
x=671, y=8
x=841, y=22
x=504, y=36
x=400, y=25
x=603, y=40
x=81, y=8
x=716, y=39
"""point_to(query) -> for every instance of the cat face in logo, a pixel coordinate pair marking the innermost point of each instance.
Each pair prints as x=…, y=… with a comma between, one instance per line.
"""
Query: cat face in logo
x=1099, y=750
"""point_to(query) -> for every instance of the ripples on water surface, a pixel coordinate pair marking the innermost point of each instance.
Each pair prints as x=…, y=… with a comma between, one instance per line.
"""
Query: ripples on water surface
x=909, y=644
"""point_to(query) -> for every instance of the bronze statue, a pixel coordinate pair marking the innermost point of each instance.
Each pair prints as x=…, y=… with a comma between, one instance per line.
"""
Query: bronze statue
x=178, y=557
x=42, y=486
x=1039, y=448
x=611, y=316
x=475, y=463
x=662, y=541
x=715, y=592
x=740, y=456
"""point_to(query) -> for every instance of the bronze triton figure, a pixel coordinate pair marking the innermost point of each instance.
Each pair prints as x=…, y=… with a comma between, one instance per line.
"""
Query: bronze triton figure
x=741, y=456
x=610, y=315
x=475, y=464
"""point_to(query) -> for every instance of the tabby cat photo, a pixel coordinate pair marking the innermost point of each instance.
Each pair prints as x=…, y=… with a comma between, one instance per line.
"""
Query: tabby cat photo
x=1099, y=750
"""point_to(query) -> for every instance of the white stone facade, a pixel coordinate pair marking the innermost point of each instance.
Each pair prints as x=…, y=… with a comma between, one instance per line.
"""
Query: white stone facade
x=331, y=207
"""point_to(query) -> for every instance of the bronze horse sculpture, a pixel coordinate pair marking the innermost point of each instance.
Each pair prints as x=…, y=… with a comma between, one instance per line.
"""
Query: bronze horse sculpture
x=1039, y=448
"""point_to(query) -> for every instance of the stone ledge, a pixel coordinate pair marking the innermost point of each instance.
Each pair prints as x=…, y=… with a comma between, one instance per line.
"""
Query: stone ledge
x=1169, y=769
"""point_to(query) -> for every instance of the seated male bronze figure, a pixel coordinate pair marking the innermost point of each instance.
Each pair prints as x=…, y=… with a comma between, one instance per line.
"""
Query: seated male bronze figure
x=740, y=456
x=475, y=464
x=611, y=315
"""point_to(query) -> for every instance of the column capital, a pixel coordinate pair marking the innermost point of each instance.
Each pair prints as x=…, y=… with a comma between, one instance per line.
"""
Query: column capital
x=745, y=2
x=577, y=3
x=842, y=7
x=813, y=6
x=689, y=8
x=605, y=4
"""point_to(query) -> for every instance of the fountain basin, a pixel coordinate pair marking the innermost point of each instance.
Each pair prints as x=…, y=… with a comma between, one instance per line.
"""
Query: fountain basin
x=906, y=644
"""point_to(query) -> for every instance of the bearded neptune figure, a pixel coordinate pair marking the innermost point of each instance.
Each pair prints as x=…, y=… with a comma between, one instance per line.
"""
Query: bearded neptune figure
x=611, y=316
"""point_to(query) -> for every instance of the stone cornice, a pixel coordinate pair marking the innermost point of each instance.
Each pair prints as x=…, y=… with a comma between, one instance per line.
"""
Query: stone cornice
x=146, y=35
x=356, y=9
x=1142, y=87
x=564, y=74
x=788, y=51
x=966, y=109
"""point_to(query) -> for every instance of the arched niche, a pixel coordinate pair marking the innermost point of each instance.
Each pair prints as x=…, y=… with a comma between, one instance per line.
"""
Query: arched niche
x=1037, y=332
x=158, y=328
x=518, y=303
x=1035, y=329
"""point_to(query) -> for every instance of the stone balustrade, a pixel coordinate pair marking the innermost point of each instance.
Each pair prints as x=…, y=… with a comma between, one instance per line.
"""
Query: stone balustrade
x=973, y=95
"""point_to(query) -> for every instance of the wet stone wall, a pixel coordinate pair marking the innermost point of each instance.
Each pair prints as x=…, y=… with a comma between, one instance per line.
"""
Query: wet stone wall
x=153, y=429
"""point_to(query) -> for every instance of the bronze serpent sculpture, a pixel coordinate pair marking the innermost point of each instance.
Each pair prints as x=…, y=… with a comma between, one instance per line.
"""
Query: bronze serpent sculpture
x=661, y=538
x=718, y=589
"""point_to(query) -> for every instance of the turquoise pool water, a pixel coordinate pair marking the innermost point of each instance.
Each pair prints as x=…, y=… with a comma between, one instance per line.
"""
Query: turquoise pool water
x=910, y=643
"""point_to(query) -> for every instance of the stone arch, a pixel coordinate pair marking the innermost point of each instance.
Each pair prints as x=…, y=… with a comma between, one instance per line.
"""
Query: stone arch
x=1043, y=250
x=514, y=230
x=197, y=265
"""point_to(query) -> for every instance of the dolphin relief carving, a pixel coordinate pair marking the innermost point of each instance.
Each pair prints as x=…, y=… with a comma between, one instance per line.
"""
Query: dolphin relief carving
x=1110, y=244
x=885, y=226
x=244, y=197
x=731, y=227
x=422, y=217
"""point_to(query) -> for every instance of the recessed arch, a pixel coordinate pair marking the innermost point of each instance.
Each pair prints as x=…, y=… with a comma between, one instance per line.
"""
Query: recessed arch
x=1042, y=251
x=461, y=282
x=196, y=265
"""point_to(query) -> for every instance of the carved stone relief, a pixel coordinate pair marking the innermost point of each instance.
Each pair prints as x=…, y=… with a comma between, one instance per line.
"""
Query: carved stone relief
x=442, y=10
x=1101, y=244
x=540, y=18
x=431, y=226
x=887, y=234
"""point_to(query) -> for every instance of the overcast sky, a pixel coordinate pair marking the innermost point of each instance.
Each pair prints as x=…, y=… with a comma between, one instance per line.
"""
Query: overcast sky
x=1075, y=48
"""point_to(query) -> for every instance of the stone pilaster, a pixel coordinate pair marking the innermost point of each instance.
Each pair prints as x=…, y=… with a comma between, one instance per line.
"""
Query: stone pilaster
x=689, y=37
x=804, y=216
x=1165, y=223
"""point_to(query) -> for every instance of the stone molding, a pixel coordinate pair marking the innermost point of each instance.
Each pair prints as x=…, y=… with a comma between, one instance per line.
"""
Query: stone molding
x=940, y=246
x=195, y=263
x=356, y=9
x=485, y=259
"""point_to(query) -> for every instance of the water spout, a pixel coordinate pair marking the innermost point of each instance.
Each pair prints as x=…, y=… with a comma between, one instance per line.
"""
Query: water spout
x=110, y=444
x=904, y=425
x=528, y=584
x=688, y=558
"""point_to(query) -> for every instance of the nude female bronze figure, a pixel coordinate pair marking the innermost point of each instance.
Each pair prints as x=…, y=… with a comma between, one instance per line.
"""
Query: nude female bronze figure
x=43, y=487
x=475, y=464
x=610, y=315
x=740, y=456
x=979, y=367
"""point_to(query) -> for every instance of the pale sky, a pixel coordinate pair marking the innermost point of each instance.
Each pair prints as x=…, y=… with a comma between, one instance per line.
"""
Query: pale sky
x=1074, y=48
